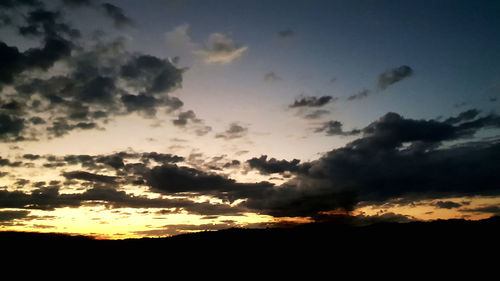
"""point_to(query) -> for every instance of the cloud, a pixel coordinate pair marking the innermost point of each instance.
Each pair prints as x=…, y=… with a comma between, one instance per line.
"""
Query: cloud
x=379, y=167
x=46, y=23
x=395, y=158
x=232, y=163
x=7, y=162
x=141, y=103
x=161, y=157
x=178, y=41
x=151, y=75
x=312, y=101
x=12, y=215
x=89, y=92
x=173, y=179
x=393, y=76
x=361, y=95
x=491, y=209
x=31, y=156
x=463, y=116
x=273, y=165
x=7, y=216
x=49, y=198
x=446, y=204
x=316, y=114
x=271, y=77
x=184, y=117
x=77, y=3
x=334, y=128
x=286, y=34
x=10, y=126
x=116, y=14
x=221, y=49
x=197, y=125
x=86, y=176
x=234, y=131
x=93, y=84
x=17, y=3
x=61, y=127
x=116, y=161
x=15, y=62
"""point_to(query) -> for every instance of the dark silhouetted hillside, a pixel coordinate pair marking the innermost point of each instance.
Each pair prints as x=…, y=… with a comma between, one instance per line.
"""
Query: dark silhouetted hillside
x=336, y=241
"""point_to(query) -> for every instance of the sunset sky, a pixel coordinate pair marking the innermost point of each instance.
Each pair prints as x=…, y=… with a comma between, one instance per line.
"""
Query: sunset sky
x=151, y=118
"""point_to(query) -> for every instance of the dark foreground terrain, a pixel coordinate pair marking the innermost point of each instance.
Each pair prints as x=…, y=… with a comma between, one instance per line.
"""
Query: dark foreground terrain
x=430, y=242
x=342, y=238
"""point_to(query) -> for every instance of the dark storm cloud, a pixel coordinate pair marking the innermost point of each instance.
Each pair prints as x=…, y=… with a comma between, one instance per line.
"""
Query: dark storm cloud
x=395, y=158
x=312, y=101
x=334, y=128
x=171, y=179
x=117, y=15
x=393, y=76
x=273, y=165
x=391, y=130
x=234, y=131
x=293, y=201
x=377, y=167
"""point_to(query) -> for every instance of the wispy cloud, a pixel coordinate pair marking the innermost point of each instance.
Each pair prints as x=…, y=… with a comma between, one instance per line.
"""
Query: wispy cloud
x=393, y=76
x=221, y=49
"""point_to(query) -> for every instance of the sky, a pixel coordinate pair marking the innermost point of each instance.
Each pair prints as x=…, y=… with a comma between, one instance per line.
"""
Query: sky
x=127, y=119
